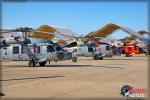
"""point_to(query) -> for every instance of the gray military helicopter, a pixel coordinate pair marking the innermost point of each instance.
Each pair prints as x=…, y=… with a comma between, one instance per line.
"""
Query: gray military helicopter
x=104, y=49
x=84, y=49
x=22, y=48
x=87, y=47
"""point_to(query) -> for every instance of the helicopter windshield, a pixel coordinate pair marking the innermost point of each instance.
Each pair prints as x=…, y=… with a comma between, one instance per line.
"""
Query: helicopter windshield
x=58, y=48
x=90, y=49
x=50, y=48
x=107, y=48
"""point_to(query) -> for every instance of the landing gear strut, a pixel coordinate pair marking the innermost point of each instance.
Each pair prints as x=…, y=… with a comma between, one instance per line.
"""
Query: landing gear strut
x=97, y=57
x=42, y=63
x=128, y=55
x=31, y=63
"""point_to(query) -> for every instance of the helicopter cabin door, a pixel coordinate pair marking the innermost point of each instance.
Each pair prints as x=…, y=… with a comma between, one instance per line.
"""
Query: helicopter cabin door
x=51, y=52
x=16, y=52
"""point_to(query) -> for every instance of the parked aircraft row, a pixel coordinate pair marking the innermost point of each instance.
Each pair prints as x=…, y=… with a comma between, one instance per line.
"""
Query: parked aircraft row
x=46, y=44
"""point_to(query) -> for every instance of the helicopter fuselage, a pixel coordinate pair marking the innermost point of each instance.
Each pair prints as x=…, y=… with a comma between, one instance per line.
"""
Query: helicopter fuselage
x=43, y=51
x=95, y=51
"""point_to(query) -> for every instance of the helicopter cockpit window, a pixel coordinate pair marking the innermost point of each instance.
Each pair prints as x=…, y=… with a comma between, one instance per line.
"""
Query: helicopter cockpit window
x=58, y=48
x=16, y=50
x=50, y=48
x=90, y=49
x=38, y=49
x=107, y=48
x=75, y=50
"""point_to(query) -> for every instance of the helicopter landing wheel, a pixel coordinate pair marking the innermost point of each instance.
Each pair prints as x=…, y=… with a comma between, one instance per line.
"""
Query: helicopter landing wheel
x=74, y=59
x=2, y=94
x=95, y=57
x=100, y=58
x=42, y=63
x=128, y=55
x=31, y=64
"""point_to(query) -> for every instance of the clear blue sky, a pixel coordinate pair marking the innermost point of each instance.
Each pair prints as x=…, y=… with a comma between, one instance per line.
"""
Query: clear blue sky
x=81, y=17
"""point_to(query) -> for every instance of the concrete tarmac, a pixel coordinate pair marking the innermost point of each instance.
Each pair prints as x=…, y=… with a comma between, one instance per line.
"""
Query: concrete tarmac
x=87, y=78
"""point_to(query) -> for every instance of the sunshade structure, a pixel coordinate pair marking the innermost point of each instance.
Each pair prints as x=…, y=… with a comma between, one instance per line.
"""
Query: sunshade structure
x=40, y=32
x=133, y=37
x=43, y=33
x=49, y=32
x=109, y=28
x=57, y=34
x=104, y=31
x=65, y=31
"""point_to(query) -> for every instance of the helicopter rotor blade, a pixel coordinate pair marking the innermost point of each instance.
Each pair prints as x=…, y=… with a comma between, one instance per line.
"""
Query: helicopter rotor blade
x=21, y=29
x=7, y=30
x=41, y=34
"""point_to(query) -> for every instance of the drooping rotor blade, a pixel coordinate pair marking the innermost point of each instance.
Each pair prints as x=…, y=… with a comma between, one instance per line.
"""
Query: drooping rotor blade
x=65, y=42
x=104, y=31
x=21, y=29
x=31, y=32
x=73, y=44
x=129, y=38
x=42, y=35
x=6, y=31
x=109, y=28
x=44, y=32
x=143, y=32
x=46, y=28
x=56, y=34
